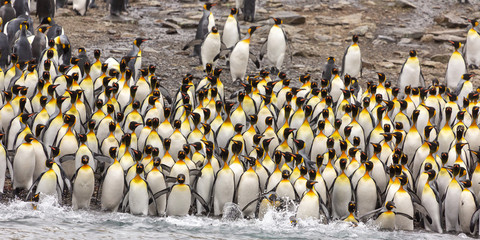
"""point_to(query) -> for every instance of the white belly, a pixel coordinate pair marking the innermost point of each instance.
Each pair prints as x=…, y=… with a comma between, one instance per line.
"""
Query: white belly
x=157, y=183
x=83, y=189
x=239, y=60
x=410, y=76
x=404, y=204
x=467, y=206
x=309, y=207
x=230, y=33
x=353, y=62
x=23, y=167
x=112, y=188
x=366, y=200
x=223, y=190
x=473, y=49
x=455, y=69
x=138, y=198
x=341, y=196
x=210, y=48
x=276, y=46
x=204, y=187
x=248, y=190
x=179, y=201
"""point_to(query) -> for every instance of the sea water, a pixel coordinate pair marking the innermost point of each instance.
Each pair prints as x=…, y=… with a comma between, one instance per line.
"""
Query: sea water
x=50, y=220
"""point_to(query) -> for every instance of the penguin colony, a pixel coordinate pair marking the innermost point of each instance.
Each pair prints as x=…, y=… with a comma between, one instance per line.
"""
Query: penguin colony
x=326, y=150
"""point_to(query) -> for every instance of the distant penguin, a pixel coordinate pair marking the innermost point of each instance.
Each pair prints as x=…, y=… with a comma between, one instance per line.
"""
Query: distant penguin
x=471, y=51
x=83, y=185
x=136, y=54
x=7, y=12
x=411, y=73
x=276, y=45
x=45, y=8
x=80, y=6
x=327, y=69
x=249, y=10
x=116, y=7
x=22, y=47
x=231, y=29
x=204, y=25
x=456, y=67
x=22, y=7
x=352, y=60
x=210, y=47
x=239, y=57
x=23, y=165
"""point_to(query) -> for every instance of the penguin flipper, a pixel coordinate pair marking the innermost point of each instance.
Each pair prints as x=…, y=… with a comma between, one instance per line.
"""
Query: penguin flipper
x=410, y=217
x=423, y=211
x=201, y=200
x=125, y=202
x=263, y=50
x=474, y=220
x=170, y=179
x=166, y=168
x=103, y=158
x=161, y=192
x=255, y=60
x=367, y=214
x=68, y=157
x=34, y=186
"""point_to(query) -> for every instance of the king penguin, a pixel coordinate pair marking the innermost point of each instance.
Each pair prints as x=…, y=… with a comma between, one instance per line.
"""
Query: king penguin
x=138, y=195
x=472, y=45
x=206, y=23
x=240, y=55
x=113, y=184
x=231, y=29
x=352, y=60
x=411, y=73
x=276, y=46
x=456, y=67
x=83, y=185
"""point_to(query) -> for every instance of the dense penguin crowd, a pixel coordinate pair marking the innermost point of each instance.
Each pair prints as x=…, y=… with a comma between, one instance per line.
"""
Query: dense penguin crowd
x=404, y=154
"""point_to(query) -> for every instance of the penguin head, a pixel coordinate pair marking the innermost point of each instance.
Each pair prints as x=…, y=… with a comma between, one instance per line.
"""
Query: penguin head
x=467, y=77
x=177, y=124
x=299, y=144
x=311, y=173
x=85, y=159
x=343, y=163
x=139, y=168
x=277, y=157
x=403, y=179
x=252, y=29
x=347, y=131
x=49, y=163
x=266, y=143
x=334, y=71
x=466, y=183
x=330, y=142
x=285, y=174
x=368, y=166
x=390, y=205
x=277, y=21
x=29, y=138
x=156, y=161
x=233, y=11
x=139, y=41
x=343, y=145
x=352, y=207
x=352, y=152
x=431, y=174
x=214, y=29
x=238, y=127
x=473, y=22
x=237, y=147
x=35, y=197
x=412, y=53
x=181, y=155
x=55, y=151
x=156, y=151
x=113, y=152
x=208, y=6
x=224, y=154
x=310, y=184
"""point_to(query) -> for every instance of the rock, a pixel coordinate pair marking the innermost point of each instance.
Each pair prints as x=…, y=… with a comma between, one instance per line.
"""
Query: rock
x=451, y=20
x=291, y=18
x=386, y=38
x=343, y=20
x=64, y=12
x=171, y=31
x=432, y=64
x=404, y=41
x=427, y=38
x=415, y=33
x=183, y=23
x=405, y=4
x=361, y=30
x=164, y=24
x=448, y=37
x=386, y=65
x=455, y=31
x=111, y=31
x=443, y=58
x=323, y=37
x=339, y=5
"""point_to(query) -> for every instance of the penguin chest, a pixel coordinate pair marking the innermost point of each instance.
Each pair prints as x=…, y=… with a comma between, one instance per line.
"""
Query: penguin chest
x=455, y=69
x=365, y=195
x=472, y=47
x=386, y=220
x=179, y=200
x=285, y=190
x=276, y=46
x=404, y=204
x=83, y=188
x=48, y=184
x=23, y=166
x=223, y=190
x=230, y=32
x=210, y=48
x=239, y=59
x=205, y=183
x=353, y=61
x=138, y=197
x=309, y=207
x=248, y=189
x=112, y=187
x=410, y=74
x=341, y=195
x=180, y=168
x=467, y=206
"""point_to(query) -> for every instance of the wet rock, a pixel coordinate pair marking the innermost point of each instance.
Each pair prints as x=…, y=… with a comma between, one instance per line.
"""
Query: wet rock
x=414, y=33
x=361, y=30
x=427, y=38
x=405, y=4
x=183, y=23
x=448, y=37
x=291, y=18
x=323, y=37
x=451, y=20
x=171, y=31
x=386, y=38
x=343, y=20
x=443, y=58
